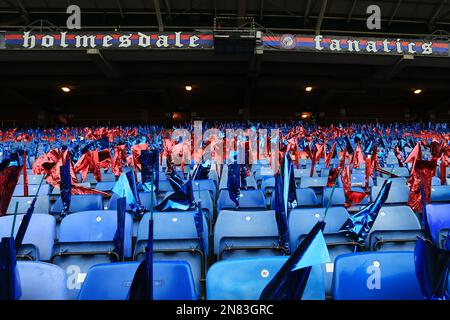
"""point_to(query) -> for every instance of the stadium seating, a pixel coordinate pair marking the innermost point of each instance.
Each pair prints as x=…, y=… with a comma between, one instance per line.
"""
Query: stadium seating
x=105, y=186
x=250, y=180
x=440, y=194
x=338, y=198
x=245, y=279
x=172, y=280
x=143, y=196
x=208, y=185
x=42, y=205
x=42, y=281
x=315, y=182
x=398, y=194
x=38, y=241
x=80, y=202
x=33, y=189
x=248, y=200
x=240, y=234
x=395, y=228
x=375, y=276
x=438, y=216
x=86, y=239
x=400, y=181
x=357, y=180
x=175, y=238
x=32, y=179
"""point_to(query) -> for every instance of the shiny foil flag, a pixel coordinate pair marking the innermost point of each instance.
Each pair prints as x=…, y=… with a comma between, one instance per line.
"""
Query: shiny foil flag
x=65, y=186
x=119, y=236
x=150, y=168
x=358, y=226
x=432, y=270
x=180, y=200
x=290, y=281
x=9, y=277
x=280, y=214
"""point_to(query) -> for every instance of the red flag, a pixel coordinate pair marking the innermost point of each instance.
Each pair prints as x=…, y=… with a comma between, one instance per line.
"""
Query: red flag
x=352, y=197
x=416, y=154
x=8, y=181
x=424, y=171
x=330, y=155
x=399, y=156
x=119, y=158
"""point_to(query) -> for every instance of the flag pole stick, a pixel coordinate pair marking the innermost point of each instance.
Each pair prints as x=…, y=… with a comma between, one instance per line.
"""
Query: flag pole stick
x=14, y=219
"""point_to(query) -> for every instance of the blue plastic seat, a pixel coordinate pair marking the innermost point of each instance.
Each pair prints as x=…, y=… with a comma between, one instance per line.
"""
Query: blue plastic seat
x=172, y=280
x=145, y=198
x=268, y=185
x=44, y=190
x=250, y=180
x=42, y=204
x=240, y=234
x=38, y=241
x=32, y=179
x=306, y=197
x=338, y=198
x=376, y=276
x=398, y=194
x=41, y=281
x=249, y=200
x=395, y=229
x=302, y=173
x=105, y=186
x=86, y=239
x=207, y=203
x=56, y=191
x=357, y=180
x=108, y=177
x=400, y=181
x=208, y=184
x=245, y=279
x=398, y=171
x=435, y=181
x=300, y=223
x=314, y=182
x=440, y=193
x=438, y=218
x=175, y=238
x=80, y=202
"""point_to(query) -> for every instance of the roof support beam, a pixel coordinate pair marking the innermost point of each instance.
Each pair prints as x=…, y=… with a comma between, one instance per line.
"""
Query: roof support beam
x=395, y=11
x=119, y=5
x=158, y=15
x=352, y=9
x=97, y=57
x=307, y=11
x=321, y=15
x=261, y=10
x=436, y=13
x=169, y=11
x=19, y=6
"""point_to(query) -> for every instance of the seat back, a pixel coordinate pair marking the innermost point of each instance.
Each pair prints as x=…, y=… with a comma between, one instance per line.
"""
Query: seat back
x=80, y=202
x=172, y=280
x=385, y=275
x=248, y=200
x=105, y=186
x=245, y=279
x=440, y=193
x=306, y=197
x=42, y=204
x=207, y=184
x=40, y=233
x=400, y=181
x=314, y=182
x=338, y=198
x=398, y=194
x=33, y=189
x=301, y=221
x=145, y=198
x=41, y=281
x=438, y=216
x=244, y=228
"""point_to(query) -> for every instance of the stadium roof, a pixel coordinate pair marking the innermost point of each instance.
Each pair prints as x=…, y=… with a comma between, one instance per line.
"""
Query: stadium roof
x=146, y=84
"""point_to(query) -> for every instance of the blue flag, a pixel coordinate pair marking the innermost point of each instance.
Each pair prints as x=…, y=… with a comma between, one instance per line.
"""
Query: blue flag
x=9, y=277
x=180, y=200
x=150, y=167
x=289, y=193
x=119, y=236
x=66, y=187
x=202, y=171
x=432, y=270
x=280, y=214
x=234, y=182
x=358, y=226
x=126, y=187
x=290, y=281
x=175, y=180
